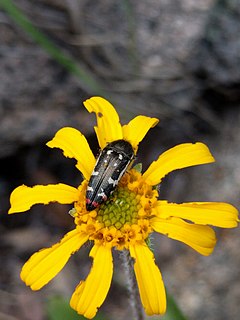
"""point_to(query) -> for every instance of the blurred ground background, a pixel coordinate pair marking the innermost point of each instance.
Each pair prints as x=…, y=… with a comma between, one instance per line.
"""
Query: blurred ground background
x=175, y=60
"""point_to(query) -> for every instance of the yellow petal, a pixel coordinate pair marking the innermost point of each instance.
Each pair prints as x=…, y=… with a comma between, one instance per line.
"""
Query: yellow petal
x=44, y=265
x=200, y=238
x=137, y=128
x=91, y=293
x=217, y=214
x=108, y=126
x=149, y=279
x=74, y=145
x=23, y=197
x=181, y=156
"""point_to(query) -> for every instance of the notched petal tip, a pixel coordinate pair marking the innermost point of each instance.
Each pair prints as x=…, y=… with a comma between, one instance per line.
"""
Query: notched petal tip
x=137, y=128
x=200, y=238
x=14, y=197
x=74, y=145
x=179, y=157
x=218, y=214
x=108, y=125
x=149, y=279
x=45, y=264
x=23, y=198
x=91, y=293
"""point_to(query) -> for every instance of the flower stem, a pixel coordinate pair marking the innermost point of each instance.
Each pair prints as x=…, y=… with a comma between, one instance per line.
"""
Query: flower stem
x=132, y=285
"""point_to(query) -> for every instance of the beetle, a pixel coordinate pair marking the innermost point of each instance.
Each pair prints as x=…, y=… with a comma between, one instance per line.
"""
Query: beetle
x=111, y=164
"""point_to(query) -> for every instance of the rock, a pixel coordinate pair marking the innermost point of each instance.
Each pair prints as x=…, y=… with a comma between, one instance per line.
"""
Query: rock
x=216, y=57
x=35, y=104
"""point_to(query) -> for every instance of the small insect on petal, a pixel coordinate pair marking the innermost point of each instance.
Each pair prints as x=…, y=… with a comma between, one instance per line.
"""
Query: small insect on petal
x=110, y=166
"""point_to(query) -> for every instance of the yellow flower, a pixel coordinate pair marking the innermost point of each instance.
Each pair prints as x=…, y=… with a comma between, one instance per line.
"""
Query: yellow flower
x=126, y=219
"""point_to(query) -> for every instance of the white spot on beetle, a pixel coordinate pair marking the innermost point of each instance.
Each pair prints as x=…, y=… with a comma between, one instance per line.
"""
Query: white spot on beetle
x=122, y=173
x=109, y=152
x=90, y=189
x=113, y=182
x=115, y=164
x=102, y=195
x=95, y=173
x=120, y=156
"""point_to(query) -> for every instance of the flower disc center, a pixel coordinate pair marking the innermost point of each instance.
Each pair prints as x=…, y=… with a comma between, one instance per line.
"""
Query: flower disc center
x=121, y=208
